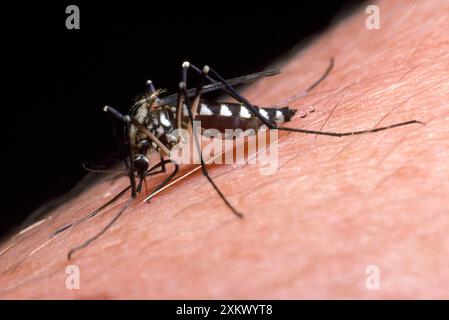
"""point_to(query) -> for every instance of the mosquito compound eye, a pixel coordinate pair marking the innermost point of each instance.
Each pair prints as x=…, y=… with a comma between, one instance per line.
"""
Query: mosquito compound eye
x=141, y=163
x=143, y=147
x=144, y=144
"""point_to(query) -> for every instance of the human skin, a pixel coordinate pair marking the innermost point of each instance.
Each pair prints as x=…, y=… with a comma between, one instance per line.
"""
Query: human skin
x=335, y=209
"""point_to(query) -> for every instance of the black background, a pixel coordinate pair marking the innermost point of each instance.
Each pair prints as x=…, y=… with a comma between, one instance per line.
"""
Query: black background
x=58, y=80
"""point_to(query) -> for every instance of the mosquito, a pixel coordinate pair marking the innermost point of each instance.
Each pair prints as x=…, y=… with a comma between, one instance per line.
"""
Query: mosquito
x=152, y=123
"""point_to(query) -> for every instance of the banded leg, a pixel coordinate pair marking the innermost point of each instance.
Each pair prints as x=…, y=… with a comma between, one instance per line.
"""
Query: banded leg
x=192, y=113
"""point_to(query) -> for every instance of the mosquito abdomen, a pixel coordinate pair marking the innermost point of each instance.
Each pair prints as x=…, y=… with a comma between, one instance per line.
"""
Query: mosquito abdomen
x=225, y=115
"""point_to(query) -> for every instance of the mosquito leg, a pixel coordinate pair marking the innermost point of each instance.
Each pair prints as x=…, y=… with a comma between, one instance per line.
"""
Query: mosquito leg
x=118, y=142
x=197, y=143
x=233, y=93
x=273, y=125
x=161, y=164
x=90, y=215
x=161, y=156
x=151, y=88
x=310, y=88
x=127, y=121
x=99, y=234
x=99, y=169
x=304, y=93
x=131, y=162
x=162, y=147
x=98, y=210
x=166, y=180
x=323, y=76
x=161, y=152
x=186, y=65
x=351, y=133
x=149, y=172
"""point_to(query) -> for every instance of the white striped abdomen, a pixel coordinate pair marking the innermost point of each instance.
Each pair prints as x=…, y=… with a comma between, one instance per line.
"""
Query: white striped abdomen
x=224, y=115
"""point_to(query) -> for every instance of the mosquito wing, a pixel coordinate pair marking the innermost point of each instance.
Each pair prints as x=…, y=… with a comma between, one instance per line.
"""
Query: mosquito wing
x=218, y=85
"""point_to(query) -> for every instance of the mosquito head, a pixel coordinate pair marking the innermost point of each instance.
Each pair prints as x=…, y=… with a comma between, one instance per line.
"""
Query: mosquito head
x=141, y=163
x=152, y=98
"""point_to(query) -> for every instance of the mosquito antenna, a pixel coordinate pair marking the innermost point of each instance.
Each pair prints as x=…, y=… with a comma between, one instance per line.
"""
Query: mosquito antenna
x=99, y=234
